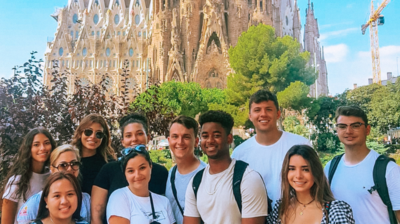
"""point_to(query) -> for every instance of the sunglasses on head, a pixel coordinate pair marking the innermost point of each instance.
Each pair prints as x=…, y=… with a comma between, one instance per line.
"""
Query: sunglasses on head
x=64, y=166
x=138, y=148
x=89, y=132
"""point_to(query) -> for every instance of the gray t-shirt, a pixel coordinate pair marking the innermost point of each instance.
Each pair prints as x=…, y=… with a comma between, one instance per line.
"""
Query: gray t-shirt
x=181, y=183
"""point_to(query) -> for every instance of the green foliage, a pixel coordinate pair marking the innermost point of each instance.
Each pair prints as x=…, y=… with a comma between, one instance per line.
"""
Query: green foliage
x=262, y=60
x=292, y=125
x=326, y=142
x=295, y=97
x=162, y=157
x=240, y=114
x=376, y=146
x=237, y=140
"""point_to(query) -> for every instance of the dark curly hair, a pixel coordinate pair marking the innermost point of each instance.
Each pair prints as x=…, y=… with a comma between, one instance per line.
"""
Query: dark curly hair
x=133, y=118
x=263, y=95
x=22, y=164
x=218, y=116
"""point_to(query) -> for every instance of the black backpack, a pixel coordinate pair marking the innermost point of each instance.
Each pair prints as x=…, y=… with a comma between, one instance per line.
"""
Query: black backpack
x=240, y=168
x=379, y=173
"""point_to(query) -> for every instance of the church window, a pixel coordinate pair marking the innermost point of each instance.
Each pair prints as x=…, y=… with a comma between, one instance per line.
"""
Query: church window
x=219, y=86
x=261, y=5
x=116, y=19
x=76, y=34
x=137, y=2
x=75, y=18
x=96, y=19
x=92, y=33
x=131, y=52
x=144, y=34
x=62, y=63
x=98, y=33
x=124, y=33
x=67, y=64
x=117, y=2
x=139, y=34
x=108, y=52
x=96, y=2
x=137, y=63
x=287, y=21
x=137, y=19
x=84, y=52
x=119, y=33
x=61, y=51
x=72, y=34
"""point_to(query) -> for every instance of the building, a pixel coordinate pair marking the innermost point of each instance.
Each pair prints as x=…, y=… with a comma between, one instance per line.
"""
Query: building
x=390, y=79
x=317, y=59
x=163, y=40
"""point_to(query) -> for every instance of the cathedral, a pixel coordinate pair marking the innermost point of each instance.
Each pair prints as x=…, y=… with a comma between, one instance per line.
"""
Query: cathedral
x=163, y=40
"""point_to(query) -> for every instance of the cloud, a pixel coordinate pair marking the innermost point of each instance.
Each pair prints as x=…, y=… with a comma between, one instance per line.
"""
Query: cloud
x=336, y=53
x=325, y=26
x=389, y=59
x=338, y=33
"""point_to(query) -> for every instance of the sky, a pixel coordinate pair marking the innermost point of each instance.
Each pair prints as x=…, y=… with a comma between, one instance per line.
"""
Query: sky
x=26, y=25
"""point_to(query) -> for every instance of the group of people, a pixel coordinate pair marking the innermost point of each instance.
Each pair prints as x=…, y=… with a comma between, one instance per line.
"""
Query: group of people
x=273, y=177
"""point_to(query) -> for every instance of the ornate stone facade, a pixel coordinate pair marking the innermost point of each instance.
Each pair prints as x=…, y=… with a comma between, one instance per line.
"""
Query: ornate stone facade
x=317, y=59
x=163, y=40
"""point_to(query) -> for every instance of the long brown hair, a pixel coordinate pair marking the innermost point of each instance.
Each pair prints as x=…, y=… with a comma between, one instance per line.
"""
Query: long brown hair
x=320, y=191
x=22, y=164
x=105, y=149
x=43, y=212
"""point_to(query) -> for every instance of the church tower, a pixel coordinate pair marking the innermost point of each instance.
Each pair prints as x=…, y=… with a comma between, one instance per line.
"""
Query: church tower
x=312, y=45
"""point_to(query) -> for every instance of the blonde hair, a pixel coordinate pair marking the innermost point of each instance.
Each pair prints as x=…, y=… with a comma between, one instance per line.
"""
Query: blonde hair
x=61, y=149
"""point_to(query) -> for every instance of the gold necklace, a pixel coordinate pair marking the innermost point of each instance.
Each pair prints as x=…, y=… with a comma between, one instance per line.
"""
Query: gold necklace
x=304, y=206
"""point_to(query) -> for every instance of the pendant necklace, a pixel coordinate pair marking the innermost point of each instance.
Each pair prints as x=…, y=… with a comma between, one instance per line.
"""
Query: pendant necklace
x=304, y=206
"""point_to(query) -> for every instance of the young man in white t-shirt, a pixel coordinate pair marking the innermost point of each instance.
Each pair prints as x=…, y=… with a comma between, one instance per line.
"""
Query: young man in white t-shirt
x=215, y=201
x=265, y=151
x=182, y=140
x=353, y=179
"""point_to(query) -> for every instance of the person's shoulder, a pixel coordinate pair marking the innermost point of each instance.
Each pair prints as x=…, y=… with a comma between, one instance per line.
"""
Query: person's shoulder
x=251, y=175
x=121, y=192
x=295, y=139
x=160, y=197
x=340, y=205
x=245, y=146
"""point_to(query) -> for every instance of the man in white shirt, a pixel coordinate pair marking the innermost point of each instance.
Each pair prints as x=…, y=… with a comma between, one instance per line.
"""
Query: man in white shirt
x=215, y=201
x=353, y=180
x=182, y=140
x=265, y=151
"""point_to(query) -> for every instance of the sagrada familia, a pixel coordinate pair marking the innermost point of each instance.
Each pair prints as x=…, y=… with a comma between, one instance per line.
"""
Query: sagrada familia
x=163, y=40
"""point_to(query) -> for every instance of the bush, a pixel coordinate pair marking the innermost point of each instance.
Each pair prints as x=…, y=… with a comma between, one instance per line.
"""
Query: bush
x=326, y=142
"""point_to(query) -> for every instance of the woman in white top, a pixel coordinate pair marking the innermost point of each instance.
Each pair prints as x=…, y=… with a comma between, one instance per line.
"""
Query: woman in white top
x=28, y=172
x=135, y=203
x=64, y=158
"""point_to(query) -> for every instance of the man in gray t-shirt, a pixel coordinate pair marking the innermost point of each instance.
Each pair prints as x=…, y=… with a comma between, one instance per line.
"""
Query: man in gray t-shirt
x=182, y=140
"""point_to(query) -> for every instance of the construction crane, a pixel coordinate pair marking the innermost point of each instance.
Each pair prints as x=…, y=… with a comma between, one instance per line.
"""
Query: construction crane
x=375, y=20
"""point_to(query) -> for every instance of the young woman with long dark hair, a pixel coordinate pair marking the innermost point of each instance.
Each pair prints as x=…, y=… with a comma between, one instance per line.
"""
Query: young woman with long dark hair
x=61, y=200
x=306, y=196
x=64, y=158
x=28, y=172
x=135, y=131
x=93, y=139
x=135, y=203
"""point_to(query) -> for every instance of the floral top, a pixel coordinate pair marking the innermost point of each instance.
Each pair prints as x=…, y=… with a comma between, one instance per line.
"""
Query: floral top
x=339, y=212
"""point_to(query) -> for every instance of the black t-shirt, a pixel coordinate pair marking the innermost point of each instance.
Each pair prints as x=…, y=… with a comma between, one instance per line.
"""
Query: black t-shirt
x=90, y=168
x=112, y=178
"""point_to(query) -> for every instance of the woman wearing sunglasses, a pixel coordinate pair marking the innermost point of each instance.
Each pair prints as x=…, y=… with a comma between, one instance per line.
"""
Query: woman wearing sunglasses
x=135, y=203
x=135, y=131
x=306, y=196
x=93, y=139
x=64, y=158
x=60, y=201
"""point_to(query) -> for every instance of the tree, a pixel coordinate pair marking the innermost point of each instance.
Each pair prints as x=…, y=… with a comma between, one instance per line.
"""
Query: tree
x=293, y=125
x=295, y=97
x=262, y=60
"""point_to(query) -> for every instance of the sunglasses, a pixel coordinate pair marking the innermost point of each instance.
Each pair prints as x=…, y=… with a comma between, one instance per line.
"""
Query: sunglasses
x=138, y=148
x=89, y=132
x=64, y=166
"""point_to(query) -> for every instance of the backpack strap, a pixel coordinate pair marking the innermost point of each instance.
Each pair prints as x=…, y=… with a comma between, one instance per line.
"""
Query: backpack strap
x=332, y=168
x=196, y=184
x=381, y=185
x=240, y=168
x=173, y=173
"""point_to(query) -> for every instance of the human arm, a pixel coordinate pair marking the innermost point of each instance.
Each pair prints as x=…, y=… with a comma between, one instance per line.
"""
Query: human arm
x=191, y=220
x=98, y=204
x=256, y=220
x=254, y=198
x=118, y=220
x=191, y=214
x=8, y=211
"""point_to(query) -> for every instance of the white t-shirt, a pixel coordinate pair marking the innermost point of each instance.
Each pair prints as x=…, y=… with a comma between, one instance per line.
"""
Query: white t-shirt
x=29, y=210
x=36, y=184
x=123, y=203
x=215, y=200
x=351, y=183
x=267, y=160
x=181, y=183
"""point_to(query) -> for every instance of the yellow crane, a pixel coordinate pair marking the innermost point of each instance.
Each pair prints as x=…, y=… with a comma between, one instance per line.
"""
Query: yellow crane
x=375, y=20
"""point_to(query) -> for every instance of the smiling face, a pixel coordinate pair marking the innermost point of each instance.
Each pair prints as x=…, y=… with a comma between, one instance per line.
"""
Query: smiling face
x=134, y=134
x=214, y=140
x=182, y=141
x=300, y=176
x=137, y=173
x=62, y=200
x=67, y=157
x=92, y=142
x=352, y=136
x=41, y=148
x=264, y=116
